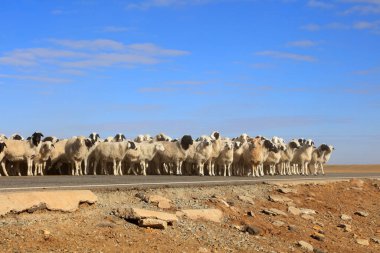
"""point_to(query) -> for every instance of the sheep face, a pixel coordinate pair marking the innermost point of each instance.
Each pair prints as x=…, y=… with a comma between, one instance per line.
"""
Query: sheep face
x=186, y=142
x=159, y=147
x=294, y=145
x=237, y=145
x=17, y=137
x=88, y=143
x=215, y=135
x=229, y=146
x=36, y=138
x=132, y=145
x=94, y=137
x=3, y=137
x=119, y=137
x=2, y=146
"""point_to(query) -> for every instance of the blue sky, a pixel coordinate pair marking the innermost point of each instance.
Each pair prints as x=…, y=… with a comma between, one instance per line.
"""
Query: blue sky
x=273, y=67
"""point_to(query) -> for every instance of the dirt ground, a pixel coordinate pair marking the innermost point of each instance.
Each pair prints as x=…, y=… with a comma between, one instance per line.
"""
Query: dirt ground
x=93, y=228
x=367, y=168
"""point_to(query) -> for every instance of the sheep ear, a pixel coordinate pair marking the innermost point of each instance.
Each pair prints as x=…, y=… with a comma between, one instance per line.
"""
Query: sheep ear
x=97, y=135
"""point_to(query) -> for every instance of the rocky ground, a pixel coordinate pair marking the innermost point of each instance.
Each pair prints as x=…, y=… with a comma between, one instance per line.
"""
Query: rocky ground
x=319, y=217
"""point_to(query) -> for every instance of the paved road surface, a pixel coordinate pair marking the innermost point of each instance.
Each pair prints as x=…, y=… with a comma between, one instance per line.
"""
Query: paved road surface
x=94, y=182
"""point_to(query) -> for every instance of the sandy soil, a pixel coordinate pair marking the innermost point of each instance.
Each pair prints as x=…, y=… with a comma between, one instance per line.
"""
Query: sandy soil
x=94, y=229
x=367, y=168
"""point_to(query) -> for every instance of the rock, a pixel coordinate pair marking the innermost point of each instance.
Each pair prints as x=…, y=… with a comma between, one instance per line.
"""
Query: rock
x=292, y=228
x=345, y=217
x=214, y=215
x=287, y=190
x=153, y=223
x=306, y=246
x=346, y=228
x=47, y=234
x=307, y=211
x=246, y=199
x=138, y=214
x=294, y=210
x=362, y=213
x=158, y=200
x=316, y=250
x=316, y=227
x=357, y=183
x=252, y=230
x=203, y=250
x=65, y=201
x=278, y=223
x=251, y=213
x=279, y=199
x=274, y=212
x=318, y=236
x=215, y=200
x=375, y=240
x=307, y=217
x=364, y=242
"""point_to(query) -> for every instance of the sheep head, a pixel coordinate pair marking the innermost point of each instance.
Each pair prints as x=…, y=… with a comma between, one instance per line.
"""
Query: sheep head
x=2, y=146
x=186, y=142
x=36, y=138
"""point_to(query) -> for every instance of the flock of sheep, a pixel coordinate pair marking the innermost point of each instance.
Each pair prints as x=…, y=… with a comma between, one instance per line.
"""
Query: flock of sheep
x=211, y=155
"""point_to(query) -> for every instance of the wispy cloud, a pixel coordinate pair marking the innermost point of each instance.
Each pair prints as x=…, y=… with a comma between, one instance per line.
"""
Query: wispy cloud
x=302, y=43
x=89, y=53
x=369, y=71
x=319, y=4
x=330, y=26
x=366, y=25
x=286, y=55
x=35, y=78
x=311, y=27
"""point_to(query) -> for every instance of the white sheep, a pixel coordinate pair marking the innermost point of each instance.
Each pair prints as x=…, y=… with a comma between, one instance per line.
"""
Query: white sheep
x=3, y=147
x=17, y=137
x=111, y=152
x=320, y=156
x=199, y=153
x=3, y=137
x=143, y=154
x=226, y=157
x=302, y=156
x=43, y=154
x=76, y=150
x=21, y=151
x=287, y=156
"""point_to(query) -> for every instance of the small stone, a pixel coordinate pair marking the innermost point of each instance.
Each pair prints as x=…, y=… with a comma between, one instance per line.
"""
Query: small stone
x=292, y=228
x=357, y=183
x=307, y=211
x=362, y=213
x=307, y=217
x=345, y=217
x=246, y=199
x=203, y=250
x=46, y=232
x=375, y=240
x=252, y=230
x=318, y=236
x=316, y=250
x=153, y=223
x=294, y=210
x=316, y=227
x=279, y=199
x=306, y=246
x=287, y=190
x=346, y=228
x=251, y=213
x=278, y=223
x=364, y=242
x=274, y=212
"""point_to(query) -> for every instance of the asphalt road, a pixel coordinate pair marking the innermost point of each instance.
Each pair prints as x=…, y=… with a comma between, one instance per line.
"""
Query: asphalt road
x=114, y=182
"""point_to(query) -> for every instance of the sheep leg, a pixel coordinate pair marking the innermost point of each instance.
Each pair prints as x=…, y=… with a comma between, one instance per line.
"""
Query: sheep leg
x=114, y=168
x=323, y=171
x=120, y=168
x=143, y=167
x=3, y=168
x=95, y=165
x=29, y=164
x=261, y=170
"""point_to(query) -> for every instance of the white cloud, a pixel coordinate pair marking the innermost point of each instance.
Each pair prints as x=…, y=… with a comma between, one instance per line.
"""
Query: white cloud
x=365, y=25
x=286, y=55
x=89, y=53
x=363, y=10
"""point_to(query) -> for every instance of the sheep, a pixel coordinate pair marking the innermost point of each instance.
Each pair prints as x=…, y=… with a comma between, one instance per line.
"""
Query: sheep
x=302, y=156
x=256, y=154
x=226, y=158
x=16, y=137
x=76, y=150
x=238, y=161
x=143, y=137
x=217, y=147
x=111, y=152
x=3, y=146
x=162, y=137
x=287, y=156
x=58, y=155
x=18, y=151
x=273, y=158
x=3, y=137
x=52, y=139
x=143, y=154
x=320, y=156
x=199, y=153
x=95, y=140
x=175, y=153
x=41, y=157
x=94, y=137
